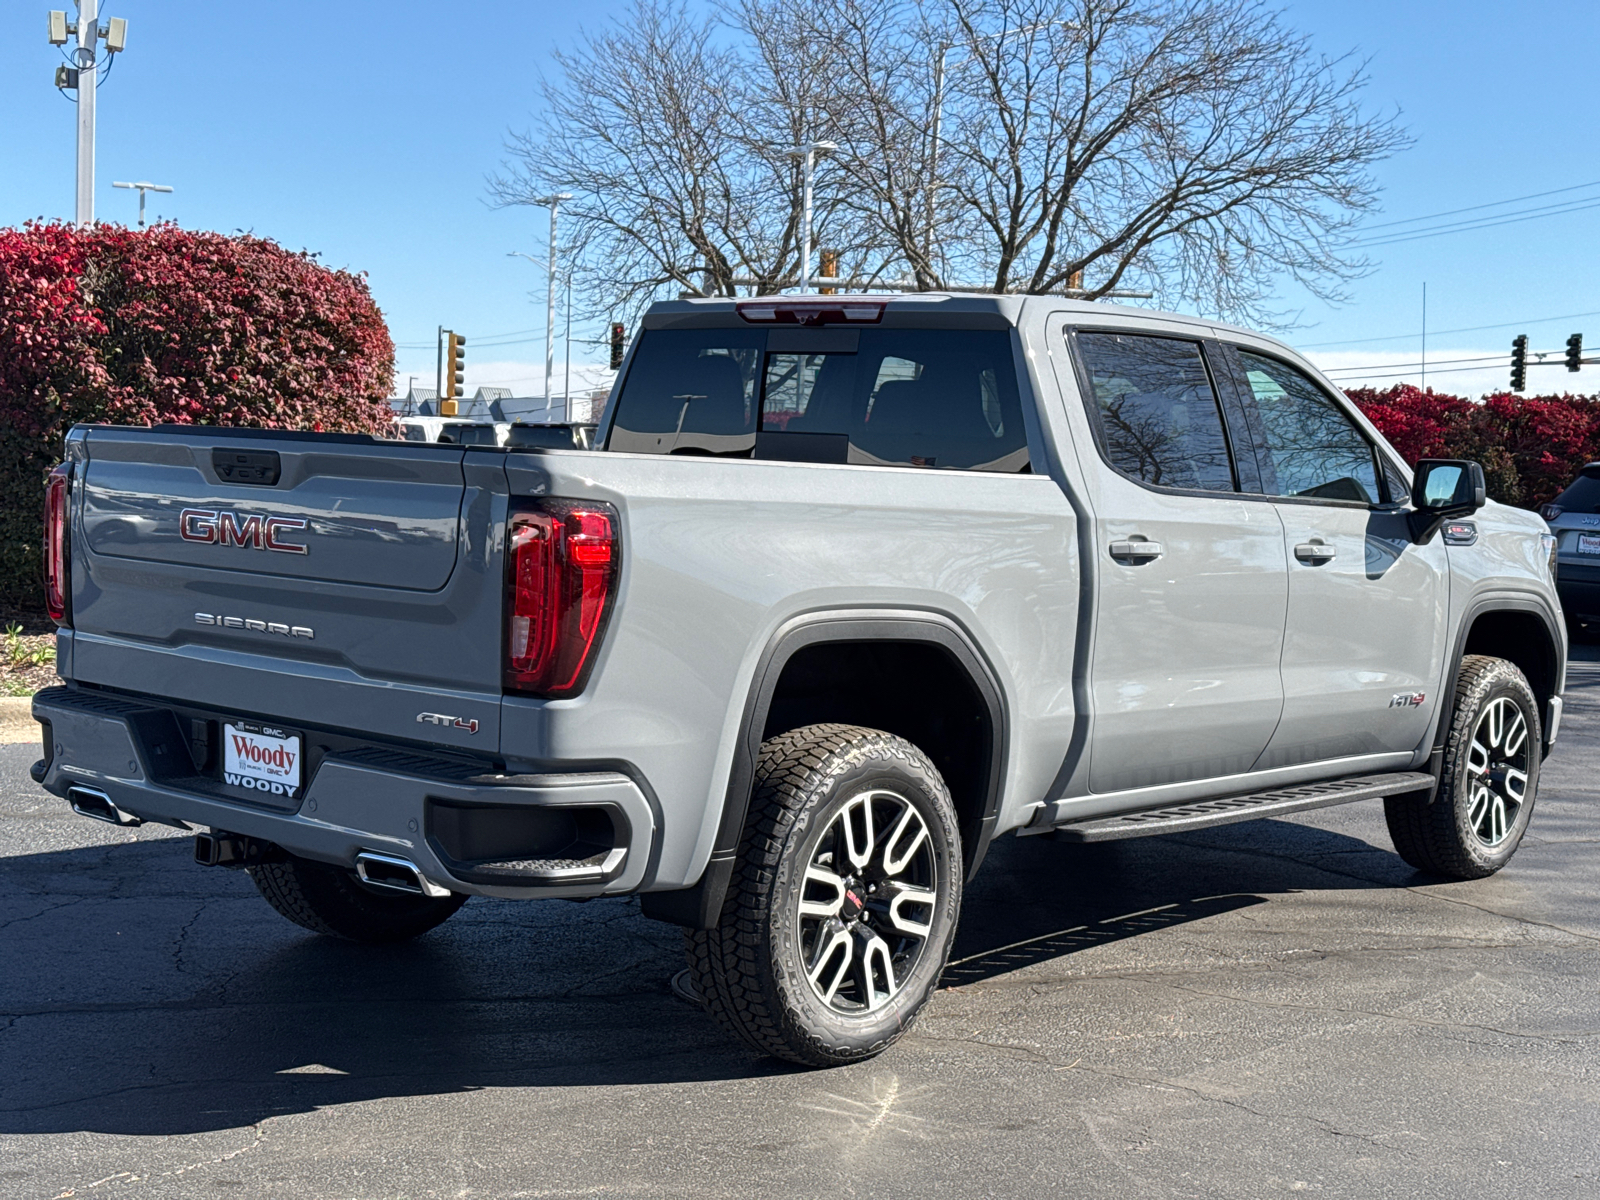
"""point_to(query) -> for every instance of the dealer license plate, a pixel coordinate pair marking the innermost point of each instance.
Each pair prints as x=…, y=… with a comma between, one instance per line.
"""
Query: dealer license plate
x=261, y=759
x=1589, y=543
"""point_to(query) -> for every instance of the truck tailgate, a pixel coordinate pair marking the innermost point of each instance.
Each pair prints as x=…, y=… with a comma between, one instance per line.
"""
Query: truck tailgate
x=343, y=583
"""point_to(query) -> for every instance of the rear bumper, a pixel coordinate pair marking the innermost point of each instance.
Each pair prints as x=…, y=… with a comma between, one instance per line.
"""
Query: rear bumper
x=390, y=802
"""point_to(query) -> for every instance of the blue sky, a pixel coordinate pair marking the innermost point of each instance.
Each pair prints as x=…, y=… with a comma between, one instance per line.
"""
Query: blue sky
x=364, y=132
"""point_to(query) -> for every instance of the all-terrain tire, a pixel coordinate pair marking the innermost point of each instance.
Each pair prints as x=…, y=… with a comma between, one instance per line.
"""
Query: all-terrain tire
x=751, y=970
x=1434, y=832
x=328, y=899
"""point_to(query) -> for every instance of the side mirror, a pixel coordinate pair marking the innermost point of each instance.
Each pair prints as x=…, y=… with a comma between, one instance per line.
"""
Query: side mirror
x=1441, y=489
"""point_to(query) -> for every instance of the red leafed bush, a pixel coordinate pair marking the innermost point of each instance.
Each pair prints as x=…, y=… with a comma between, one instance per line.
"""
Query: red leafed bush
x=169, y=325
x=1531, y=447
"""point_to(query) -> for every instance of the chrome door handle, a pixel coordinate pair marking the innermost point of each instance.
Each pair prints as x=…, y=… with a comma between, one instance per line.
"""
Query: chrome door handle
x=1314, y=553
x=1136, y=551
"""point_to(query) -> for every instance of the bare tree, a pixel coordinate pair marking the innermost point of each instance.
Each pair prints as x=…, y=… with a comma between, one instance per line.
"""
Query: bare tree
x=1196, y=148
x=643, y=126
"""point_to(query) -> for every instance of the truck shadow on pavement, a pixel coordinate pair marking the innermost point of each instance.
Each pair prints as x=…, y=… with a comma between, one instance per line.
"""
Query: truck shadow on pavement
x=143, y=995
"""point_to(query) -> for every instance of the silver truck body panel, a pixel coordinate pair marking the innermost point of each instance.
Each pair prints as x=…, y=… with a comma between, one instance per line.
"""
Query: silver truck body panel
x=1223, y=664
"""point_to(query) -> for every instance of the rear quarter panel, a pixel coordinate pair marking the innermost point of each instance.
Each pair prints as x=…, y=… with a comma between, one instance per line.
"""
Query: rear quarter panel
x=718, y=554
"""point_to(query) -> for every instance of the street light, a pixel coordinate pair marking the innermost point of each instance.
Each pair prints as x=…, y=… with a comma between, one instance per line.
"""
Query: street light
x=143, y=188
x=553, y=203
x=567, y=385
x=939, y=69
x=808, y=152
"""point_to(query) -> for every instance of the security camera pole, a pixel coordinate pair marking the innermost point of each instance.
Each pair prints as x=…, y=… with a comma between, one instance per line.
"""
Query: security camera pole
x=81, y=76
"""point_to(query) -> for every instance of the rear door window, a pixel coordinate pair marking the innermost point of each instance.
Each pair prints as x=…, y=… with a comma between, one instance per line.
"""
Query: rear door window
x=1154, y=410
x=933, y=399
x=1312, y=449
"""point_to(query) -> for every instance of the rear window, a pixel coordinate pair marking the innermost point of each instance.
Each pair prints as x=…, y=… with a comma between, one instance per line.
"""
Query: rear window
x=936, y=399
x=1582, y=494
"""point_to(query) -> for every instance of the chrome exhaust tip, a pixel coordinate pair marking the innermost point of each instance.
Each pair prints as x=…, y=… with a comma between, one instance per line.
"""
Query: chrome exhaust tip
x=92, y=802
x=395, y=874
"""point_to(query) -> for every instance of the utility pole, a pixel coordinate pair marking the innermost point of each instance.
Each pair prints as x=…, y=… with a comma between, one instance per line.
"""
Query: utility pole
x=1424, y=335
x=143, y=188
x=438, y=368
x=82, y=77
x=553, y=203
x=808, y=152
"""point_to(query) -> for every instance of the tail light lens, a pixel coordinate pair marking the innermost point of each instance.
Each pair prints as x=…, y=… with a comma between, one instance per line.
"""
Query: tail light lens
x=1550, y=511
x=561, y=570
x=56, y=585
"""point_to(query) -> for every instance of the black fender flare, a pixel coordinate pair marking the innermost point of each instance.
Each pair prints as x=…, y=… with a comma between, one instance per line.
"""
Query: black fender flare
x=1519, y=602
x=700, y=906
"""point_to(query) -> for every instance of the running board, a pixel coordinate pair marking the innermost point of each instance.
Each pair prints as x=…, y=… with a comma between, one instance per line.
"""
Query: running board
x=1202, y=814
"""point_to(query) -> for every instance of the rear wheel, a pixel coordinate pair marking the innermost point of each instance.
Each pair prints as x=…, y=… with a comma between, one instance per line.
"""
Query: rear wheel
x=844, y=899
x=328, y=899
x=1472, y=825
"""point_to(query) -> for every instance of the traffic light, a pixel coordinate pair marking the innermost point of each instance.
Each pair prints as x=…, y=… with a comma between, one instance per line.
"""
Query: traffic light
x=618, y=333
x=1519, y=362
x=455, y=365
x=1575, y=352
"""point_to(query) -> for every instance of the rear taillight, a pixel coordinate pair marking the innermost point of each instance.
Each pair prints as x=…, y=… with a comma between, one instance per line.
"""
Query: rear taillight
x=56, y=585
x=561, y=569
x=1550, y=511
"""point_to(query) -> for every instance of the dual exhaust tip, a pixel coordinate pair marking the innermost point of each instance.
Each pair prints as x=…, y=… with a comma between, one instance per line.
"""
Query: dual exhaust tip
x=396, y=874
x=221, y=849
x=92, y=802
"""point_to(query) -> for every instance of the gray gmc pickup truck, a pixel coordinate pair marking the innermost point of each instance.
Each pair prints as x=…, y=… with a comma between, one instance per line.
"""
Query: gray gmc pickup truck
x=849, y=586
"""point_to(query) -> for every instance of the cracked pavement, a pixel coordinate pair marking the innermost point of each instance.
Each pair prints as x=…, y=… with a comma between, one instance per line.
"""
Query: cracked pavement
x=1275, y=1007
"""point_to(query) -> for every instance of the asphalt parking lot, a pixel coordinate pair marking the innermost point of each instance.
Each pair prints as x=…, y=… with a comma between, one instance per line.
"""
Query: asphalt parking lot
x=1276, y=1007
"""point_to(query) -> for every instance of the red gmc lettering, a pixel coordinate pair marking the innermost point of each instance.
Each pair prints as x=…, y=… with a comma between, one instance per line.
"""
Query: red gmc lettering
x=246, y=531
x=198, y=525
x=274, y=524
x=212, y=527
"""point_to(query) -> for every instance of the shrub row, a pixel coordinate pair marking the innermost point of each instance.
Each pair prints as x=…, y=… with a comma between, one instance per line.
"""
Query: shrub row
x=1531, y=447
x=168, y=325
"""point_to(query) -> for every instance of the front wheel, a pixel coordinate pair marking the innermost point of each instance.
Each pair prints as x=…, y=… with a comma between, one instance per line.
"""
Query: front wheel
x=1471, y=826
x=844, y=899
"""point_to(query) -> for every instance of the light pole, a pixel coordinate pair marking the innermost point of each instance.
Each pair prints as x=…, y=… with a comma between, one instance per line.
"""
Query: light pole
x=143, y=188
x=553, y=203
x=82, y=77
x=567, y=278
x=939, y=68
x=808, y=152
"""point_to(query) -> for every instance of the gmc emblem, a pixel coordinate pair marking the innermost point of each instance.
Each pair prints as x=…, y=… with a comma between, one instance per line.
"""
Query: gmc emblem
x=211, y=527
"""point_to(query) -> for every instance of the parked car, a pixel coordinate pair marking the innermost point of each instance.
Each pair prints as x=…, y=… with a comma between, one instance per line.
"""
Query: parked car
x=850, y=587
x=1574, y=519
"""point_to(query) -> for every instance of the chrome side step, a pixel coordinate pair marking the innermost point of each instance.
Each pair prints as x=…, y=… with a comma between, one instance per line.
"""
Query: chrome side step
x=1202, y=814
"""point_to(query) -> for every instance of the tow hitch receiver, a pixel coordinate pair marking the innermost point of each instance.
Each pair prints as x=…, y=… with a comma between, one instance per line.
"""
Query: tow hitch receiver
x=221, y=849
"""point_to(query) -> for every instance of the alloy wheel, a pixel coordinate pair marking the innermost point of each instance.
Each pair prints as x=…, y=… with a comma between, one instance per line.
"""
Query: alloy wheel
x=1497, y=771
x=867, y=902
